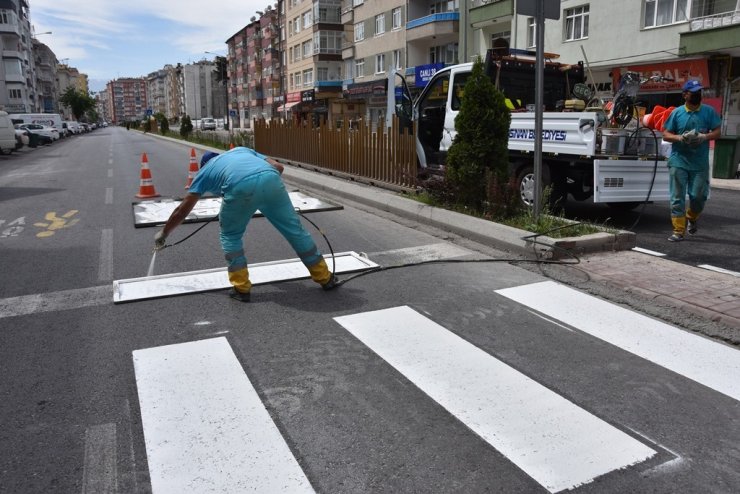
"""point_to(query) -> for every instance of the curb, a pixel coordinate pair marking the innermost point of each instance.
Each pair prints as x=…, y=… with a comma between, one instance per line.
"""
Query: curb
x=485, y=232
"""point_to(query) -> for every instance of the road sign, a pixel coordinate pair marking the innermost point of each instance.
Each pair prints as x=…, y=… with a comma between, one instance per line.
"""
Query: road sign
x=529, y=7
x=149, y=112
x=232, y=113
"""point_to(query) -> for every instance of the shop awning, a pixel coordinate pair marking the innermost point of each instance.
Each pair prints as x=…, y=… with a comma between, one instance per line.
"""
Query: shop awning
x=287, y=106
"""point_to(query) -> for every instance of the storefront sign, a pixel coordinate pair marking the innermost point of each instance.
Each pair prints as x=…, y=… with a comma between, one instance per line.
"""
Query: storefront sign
x=294, y=97
x=307, y=96
x=425, y=72
x=365, y=89
x=679, y=72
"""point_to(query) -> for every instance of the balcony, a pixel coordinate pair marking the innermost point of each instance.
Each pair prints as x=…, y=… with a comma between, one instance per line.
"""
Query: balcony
x=488, y=12
x=10, y=29
x=348, y=15
x=712, y=34
x=433, y=25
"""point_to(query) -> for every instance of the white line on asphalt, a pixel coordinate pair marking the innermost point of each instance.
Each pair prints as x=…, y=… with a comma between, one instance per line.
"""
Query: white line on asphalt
x=648, y=251
x=719, y=270
x=420, y=253
x=205, y=427
x=710, y=363
x=553, y=321
x=110, y=172
x=55, y=301
x=109, y=195
x=100, y=471
x=110, y=161
x=557, y=443
x=105, y=270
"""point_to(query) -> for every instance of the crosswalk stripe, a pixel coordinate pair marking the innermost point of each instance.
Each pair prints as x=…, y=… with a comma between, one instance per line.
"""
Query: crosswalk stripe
x=707, y=362
x=553, y=440
x=205, y=428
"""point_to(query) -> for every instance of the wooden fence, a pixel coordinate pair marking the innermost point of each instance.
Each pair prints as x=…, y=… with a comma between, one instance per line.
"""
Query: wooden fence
x=387, y=156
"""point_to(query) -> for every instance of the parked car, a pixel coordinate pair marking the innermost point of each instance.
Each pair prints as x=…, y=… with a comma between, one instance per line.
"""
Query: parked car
x=45, y=133
x=208, y=124
x=7, y=135
x=21, y=138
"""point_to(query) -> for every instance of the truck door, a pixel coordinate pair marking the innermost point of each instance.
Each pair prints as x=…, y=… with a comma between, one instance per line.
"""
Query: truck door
x=431, y=111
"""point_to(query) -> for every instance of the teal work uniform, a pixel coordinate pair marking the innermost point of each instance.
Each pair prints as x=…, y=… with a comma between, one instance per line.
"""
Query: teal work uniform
x=689, y=165
x=247, y=182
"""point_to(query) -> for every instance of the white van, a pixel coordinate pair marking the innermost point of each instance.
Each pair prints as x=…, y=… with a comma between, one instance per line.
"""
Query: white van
x=48, y=119
x=7, y=134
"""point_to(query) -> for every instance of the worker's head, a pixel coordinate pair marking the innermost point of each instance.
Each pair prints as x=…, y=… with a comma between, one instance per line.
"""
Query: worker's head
x=692, y=92
x=208, y=156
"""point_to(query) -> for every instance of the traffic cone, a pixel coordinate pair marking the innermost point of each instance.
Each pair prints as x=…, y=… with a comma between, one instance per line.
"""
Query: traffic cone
x=146, y=186
x=193, y=170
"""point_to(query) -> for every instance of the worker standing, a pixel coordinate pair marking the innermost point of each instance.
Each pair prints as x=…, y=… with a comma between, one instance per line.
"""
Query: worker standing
x=689, y=129
x=248, y=181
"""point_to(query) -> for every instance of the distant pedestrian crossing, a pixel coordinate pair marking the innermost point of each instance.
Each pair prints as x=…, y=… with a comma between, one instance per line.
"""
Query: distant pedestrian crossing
x=207, y=430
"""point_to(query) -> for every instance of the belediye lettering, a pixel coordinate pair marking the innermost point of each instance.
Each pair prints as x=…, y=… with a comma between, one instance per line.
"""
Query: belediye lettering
x=547, y=135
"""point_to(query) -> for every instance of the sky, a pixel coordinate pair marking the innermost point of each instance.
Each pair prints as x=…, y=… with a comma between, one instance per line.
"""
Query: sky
x=110, y=39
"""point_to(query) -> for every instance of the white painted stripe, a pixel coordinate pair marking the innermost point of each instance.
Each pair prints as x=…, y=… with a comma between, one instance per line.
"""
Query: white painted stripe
x=648, y=251
x=554, y=441
x=205, y=428
x=55, y=301
x=110, y=161
x=719, y=270
x=100, y=471
x=109, y=195
x=710, y=363
x=105, y=269
x=110, y=172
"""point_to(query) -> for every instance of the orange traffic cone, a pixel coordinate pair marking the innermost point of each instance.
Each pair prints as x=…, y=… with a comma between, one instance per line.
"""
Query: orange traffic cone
x=231, y=146
x=193, y=170
x=146, y=186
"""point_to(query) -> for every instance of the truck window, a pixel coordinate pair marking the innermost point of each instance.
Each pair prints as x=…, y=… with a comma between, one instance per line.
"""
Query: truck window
x=458, y=89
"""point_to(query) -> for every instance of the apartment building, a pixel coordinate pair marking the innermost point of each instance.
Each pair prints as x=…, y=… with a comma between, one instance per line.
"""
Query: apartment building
x=17, y=73
x=375, y=42
x=127, y=99
x=173, y=90
x=44, y=81
x=101, y=106
x=677, y=39
x=69, y=77
x=314, y=34
x=156, y=82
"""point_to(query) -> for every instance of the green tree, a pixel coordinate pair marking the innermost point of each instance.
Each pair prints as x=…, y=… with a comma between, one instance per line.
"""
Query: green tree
x=479, y=154
x=78, y=101
x=164, y=124
x=186, y=126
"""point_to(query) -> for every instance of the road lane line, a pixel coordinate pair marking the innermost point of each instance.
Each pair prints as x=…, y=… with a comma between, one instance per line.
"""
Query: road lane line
x=109, y=195
x=100, y=473
x=55, y=301
x=719, y=270
x=700, y=359
x=205, y=427
x=421, y=253
x=554, y=441
x=648, y=252
x=110, y=172
x=105, y=269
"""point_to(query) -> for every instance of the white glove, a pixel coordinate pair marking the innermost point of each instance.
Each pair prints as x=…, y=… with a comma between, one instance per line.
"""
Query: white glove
x=159, y=240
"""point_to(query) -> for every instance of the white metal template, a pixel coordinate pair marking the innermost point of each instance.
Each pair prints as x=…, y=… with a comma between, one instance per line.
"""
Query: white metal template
x=168, y=285
x=156, y=212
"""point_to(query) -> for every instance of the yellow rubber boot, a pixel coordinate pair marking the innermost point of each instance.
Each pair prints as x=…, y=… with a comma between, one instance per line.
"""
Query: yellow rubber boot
x=679, y=225
x=320, y=272
x=240, y=280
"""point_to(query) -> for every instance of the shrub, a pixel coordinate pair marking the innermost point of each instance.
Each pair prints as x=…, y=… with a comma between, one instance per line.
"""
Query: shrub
x=479, y=154
x=186, y=126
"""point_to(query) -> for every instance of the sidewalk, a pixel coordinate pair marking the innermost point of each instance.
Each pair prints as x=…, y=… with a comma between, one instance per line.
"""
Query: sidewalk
x=708, y=302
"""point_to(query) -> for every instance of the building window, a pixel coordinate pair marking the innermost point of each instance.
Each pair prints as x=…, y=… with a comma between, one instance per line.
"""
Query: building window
x=297, y=79
x=15, y=94
x=359, y=31
x=397, y=59
x=397, y=18
x=307, y=19
x=443, y=53
x=531, y=34
x=576, y=23
x=444, y=6
x=328, y=42
x=355, y=3
x=379, y=24
x=322, y=74
x=380, y=63
x=359, y=68
x=297, y=52
x=4, y=17
x=307, y=48
x=308, y=77
x=297, y=25
x=663, y=12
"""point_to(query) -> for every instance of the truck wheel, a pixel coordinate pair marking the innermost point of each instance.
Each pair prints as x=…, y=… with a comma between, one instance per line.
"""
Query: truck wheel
x=623, y=206
x=525, y=182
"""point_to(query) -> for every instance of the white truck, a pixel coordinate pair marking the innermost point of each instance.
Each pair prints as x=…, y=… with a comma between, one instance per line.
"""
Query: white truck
x=581, y=156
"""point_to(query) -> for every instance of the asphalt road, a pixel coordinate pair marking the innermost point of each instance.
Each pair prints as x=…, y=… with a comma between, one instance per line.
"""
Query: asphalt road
x=453, y=377
x=715, y=244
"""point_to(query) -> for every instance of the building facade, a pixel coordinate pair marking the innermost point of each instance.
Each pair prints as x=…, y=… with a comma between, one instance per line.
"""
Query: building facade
x=127, y=99
x=156, y=82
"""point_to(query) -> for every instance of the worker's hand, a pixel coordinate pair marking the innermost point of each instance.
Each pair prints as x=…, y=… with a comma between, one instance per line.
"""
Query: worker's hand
x=159, y=240
x=698, y=139
x=688, y=136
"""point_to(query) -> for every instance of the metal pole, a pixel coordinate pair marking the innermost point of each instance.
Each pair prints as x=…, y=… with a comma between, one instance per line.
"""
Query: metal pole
x=539, y=101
